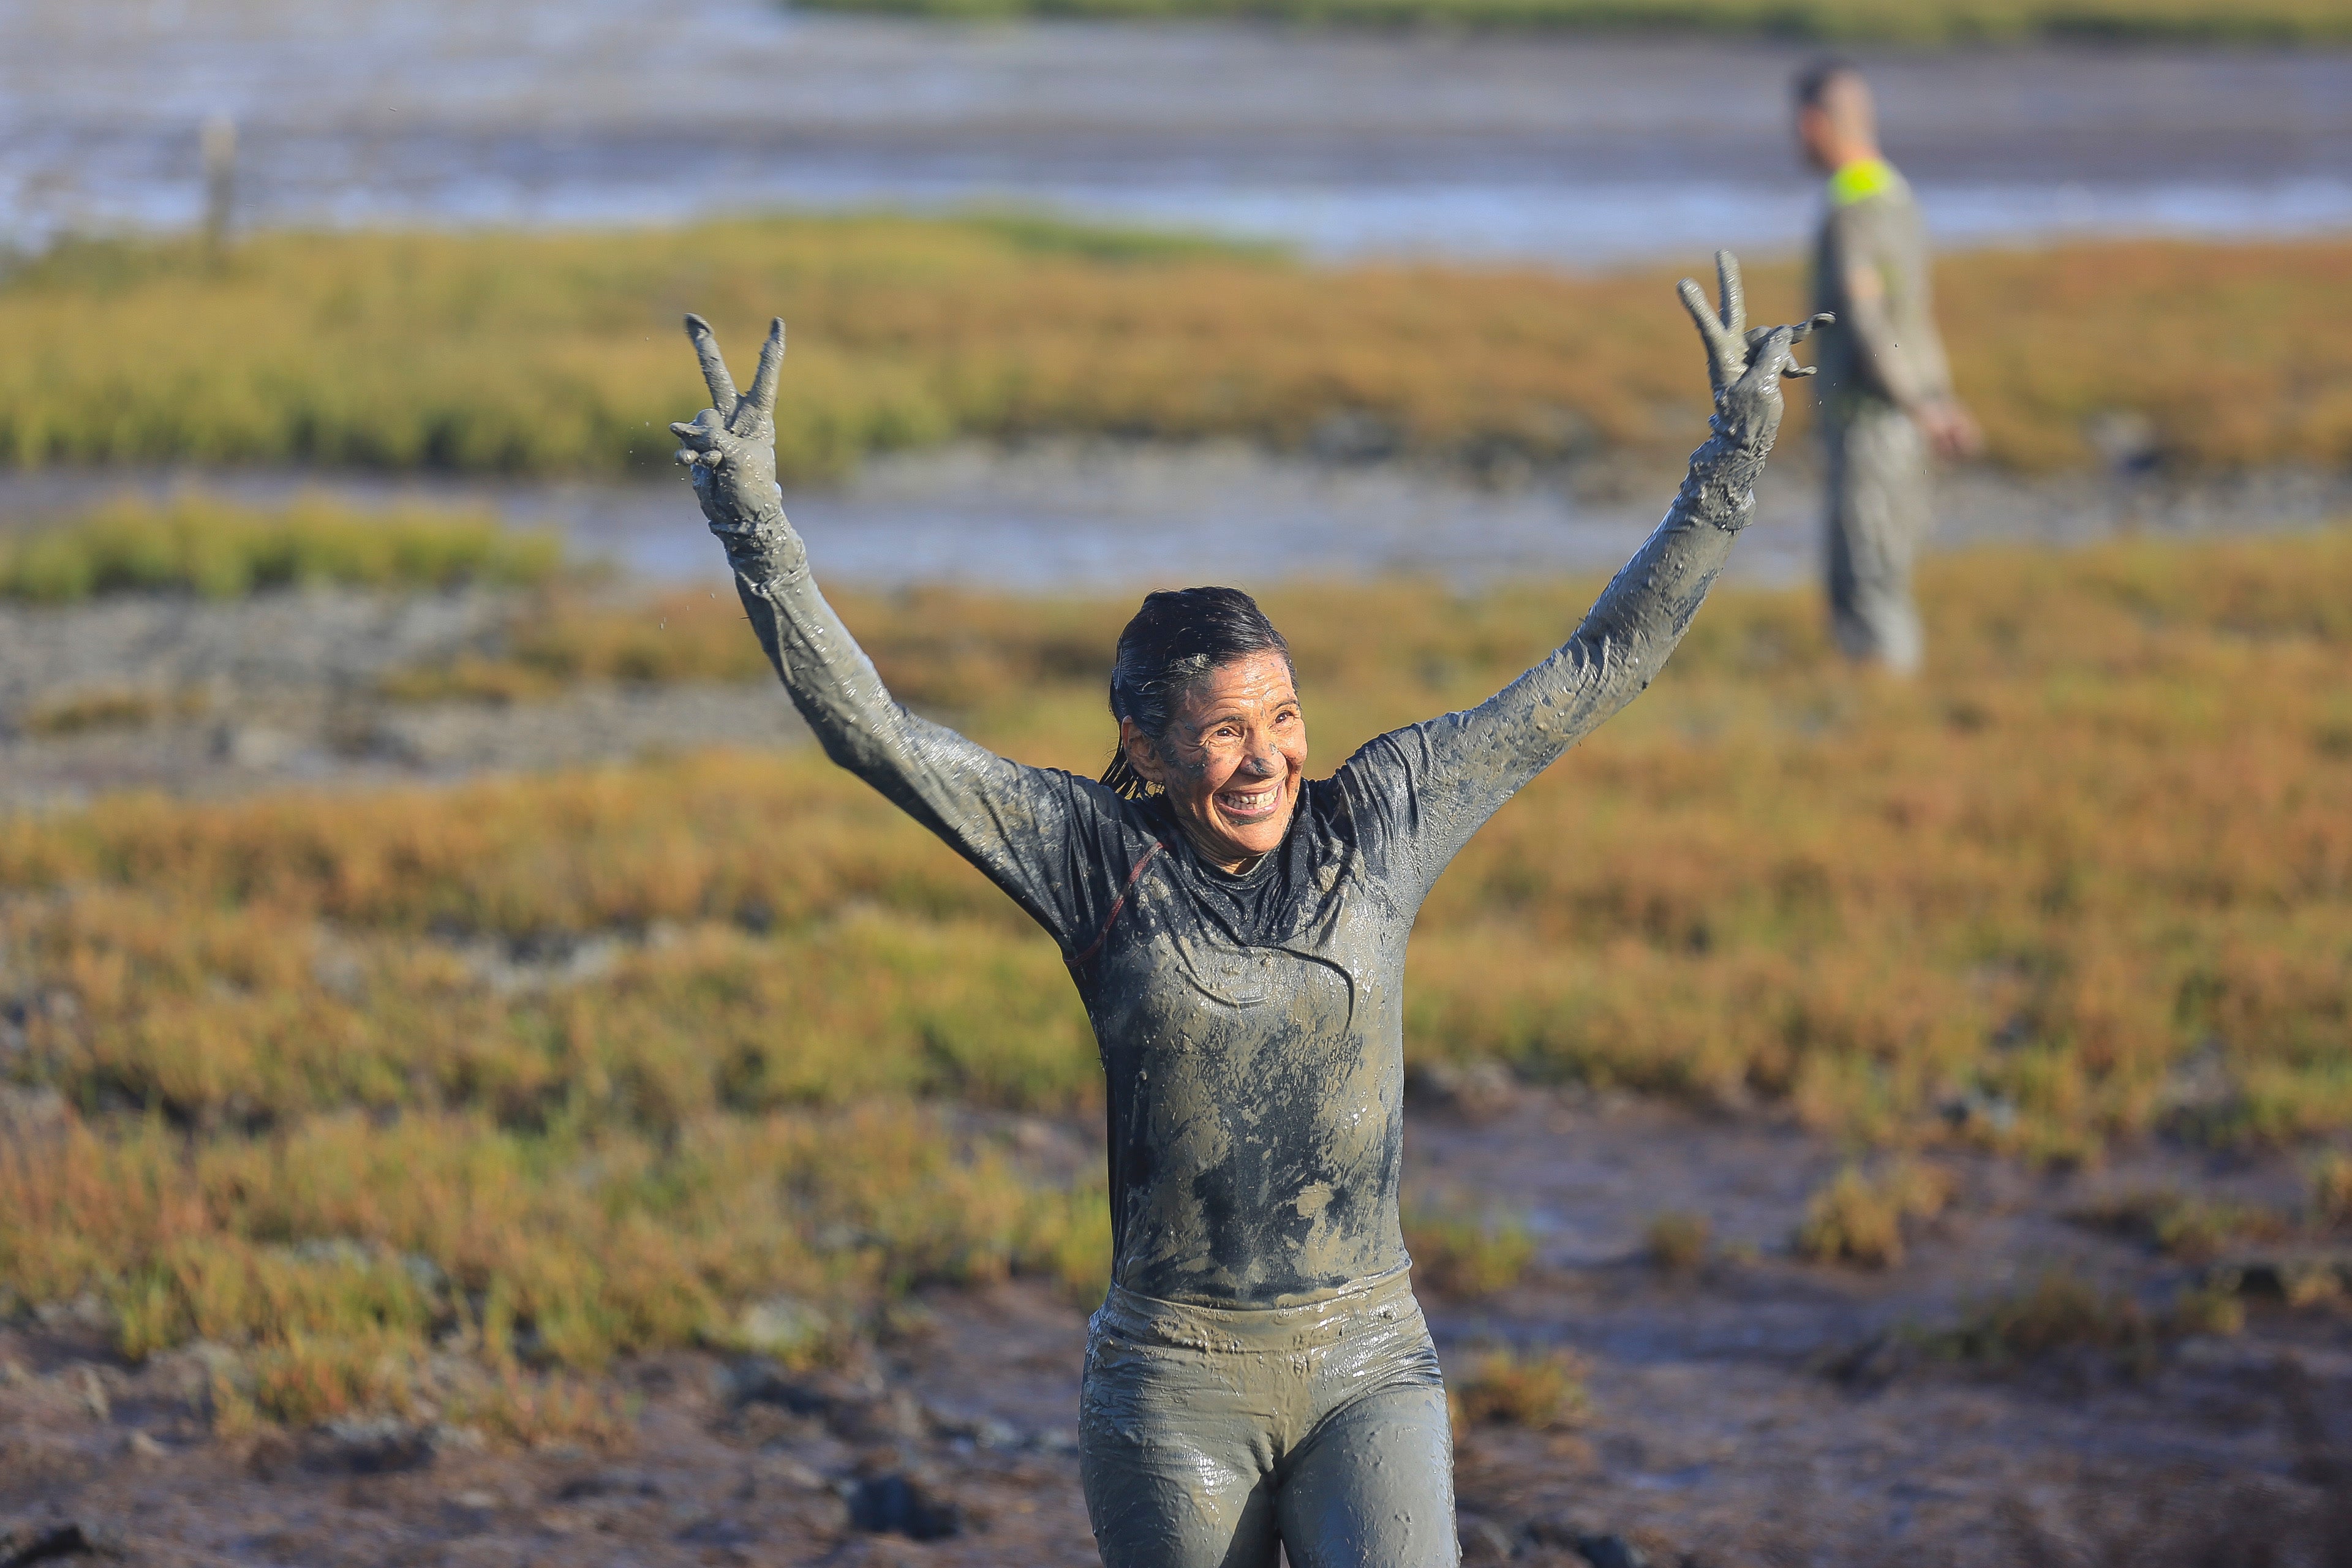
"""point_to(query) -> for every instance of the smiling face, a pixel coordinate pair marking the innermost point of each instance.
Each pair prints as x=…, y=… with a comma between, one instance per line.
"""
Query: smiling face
x=1231, y=760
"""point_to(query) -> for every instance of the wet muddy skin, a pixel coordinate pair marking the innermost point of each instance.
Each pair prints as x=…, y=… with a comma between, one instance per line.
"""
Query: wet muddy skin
x=1250, y=1018
x=1249, y=1015
x=1714, y=1431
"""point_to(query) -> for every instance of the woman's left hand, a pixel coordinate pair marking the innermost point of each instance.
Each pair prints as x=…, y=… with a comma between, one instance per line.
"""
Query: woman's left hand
x=1744, y=366
x=730, y=447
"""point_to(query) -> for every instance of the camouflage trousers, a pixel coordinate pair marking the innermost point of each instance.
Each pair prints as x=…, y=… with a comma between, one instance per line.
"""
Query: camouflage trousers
x=1879, y=515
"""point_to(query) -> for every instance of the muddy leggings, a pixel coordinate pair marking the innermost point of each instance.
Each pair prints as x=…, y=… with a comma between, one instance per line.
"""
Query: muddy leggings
x=1209, y=1437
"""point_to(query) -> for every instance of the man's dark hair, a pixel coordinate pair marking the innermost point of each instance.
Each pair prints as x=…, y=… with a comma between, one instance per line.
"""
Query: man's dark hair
x=1177, y=637
x=1813, y=81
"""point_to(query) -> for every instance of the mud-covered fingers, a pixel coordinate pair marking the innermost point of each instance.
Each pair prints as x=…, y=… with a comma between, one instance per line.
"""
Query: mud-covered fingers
x=699, y=441
x=1797, y=332
x=1789, y=337
x=1701, y=313
x=1775, y=353
x=1768, y=356
x=1733, y=294
x=1809, y=325
x=714, y=364
x=1723, y=350
x=761, y=401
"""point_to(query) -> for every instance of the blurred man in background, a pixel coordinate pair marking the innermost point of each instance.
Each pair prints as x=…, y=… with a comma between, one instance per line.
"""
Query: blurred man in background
x=1885, y=390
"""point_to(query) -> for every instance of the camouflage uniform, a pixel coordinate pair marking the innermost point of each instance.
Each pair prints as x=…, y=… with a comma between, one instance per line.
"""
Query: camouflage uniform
x=1883, y=356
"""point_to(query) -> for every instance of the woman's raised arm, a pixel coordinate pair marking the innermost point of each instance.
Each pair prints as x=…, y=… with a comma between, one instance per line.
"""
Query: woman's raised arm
x=1031, y=830
x=1433, y=784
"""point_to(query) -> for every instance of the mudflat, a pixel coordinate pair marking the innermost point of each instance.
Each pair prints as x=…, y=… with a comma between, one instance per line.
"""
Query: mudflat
x=1571, y=150
x=1747, y=1408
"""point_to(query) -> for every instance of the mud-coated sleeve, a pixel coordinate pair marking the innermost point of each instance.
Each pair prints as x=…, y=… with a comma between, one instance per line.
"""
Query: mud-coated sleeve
x=1879, y=247
x=1035, y=832
x=1421, y=792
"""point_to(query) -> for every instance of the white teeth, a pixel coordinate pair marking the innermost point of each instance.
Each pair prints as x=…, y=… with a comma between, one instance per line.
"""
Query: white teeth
x=1236, y=801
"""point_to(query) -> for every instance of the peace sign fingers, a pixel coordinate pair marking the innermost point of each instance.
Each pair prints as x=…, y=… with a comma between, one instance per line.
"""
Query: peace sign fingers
x=1727, y=352
x=760, y=402
x=1733, y=294
x=714, y=364
x=730, y=448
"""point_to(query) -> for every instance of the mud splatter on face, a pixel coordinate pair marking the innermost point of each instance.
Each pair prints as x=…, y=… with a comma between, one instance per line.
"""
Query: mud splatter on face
x=1232, y=759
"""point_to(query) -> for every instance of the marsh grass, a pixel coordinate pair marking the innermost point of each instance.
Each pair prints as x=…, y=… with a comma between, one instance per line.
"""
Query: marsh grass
x=1539, y=1389
x=2185, y=1225
x=2331, y=1188
x=218, y=550
x=1460, y=1253
x=527, y=1073
x=1898, y=21
x=561, y=352
x=1864, y=1218
x=110, y=708
x=2059, y=1310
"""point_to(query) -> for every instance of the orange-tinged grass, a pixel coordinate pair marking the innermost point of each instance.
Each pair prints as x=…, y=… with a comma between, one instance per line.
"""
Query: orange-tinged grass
x=1542, y=1391
x=617, y=1051
x=561, y=352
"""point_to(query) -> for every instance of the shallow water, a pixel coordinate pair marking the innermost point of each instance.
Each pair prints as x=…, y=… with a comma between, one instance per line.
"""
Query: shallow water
x=1094, y=518
x=1577, y=152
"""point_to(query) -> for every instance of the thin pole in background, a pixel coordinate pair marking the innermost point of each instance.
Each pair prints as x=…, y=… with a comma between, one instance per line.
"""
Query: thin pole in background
x=219, y=141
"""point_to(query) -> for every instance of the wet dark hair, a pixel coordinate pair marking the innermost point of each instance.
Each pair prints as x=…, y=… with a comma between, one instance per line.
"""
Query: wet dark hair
x=1812, y=83
x=1177, y=637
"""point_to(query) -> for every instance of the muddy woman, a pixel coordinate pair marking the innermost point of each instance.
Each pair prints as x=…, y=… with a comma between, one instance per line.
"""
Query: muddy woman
x=1259, y=1374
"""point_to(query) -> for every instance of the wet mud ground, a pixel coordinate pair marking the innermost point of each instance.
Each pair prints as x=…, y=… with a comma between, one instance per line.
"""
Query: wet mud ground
x=1759, y=1410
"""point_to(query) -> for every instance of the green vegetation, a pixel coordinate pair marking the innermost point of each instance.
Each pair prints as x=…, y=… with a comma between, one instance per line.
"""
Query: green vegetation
x=110, y=708
x=1543, y=1391
x=1462, y=1254
x=561, y=354
x=221, y=551
x=1861, y=1219
x=2179, y=1224
x=2061, y=1311
x=2331, y=1188
x=1900, y=21
x=544, y=1071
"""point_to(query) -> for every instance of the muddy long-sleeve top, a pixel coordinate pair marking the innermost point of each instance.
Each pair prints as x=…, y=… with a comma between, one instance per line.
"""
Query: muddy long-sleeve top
x=1251, y=1024
x=1871, y=269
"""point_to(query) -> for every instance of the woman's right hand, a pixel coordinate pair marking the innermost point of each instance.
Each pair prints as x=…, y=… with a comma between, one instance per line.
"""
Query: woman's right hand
x=1745, y=367
x=730, y=449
